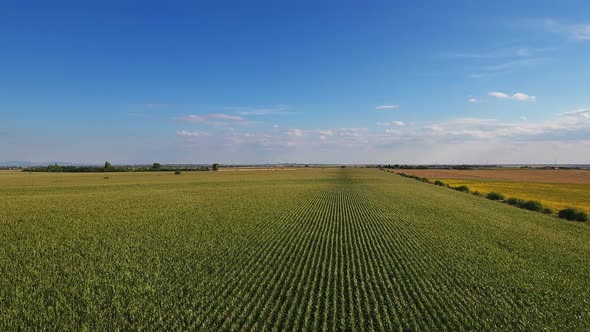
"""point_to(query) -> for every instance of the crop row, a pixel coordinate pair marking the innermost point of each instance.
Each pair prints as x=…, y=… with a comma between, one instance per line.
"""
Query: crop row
x=348, y=249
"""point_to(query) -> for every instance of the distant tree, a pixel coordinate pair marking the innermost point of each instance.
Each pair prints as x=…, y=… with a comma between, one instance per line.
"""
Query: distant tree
x=215, y=167
x=177, y=172
x=464, y=189
x=532, y=205
x=156, y=166
x=515, y=201
x=573, y=214
x=107, y=166
x=54, y=168
x=494, y=196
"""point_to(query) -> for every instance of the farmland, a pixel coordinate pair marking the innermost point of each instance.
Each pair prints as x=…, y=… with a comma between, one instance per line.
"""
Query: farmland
x=556, y=189
x=329, y=249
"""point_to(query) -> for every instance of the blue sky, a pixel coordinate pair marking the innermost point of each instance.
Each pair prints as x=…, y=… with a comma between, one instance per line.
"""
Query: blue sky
x=295, y=81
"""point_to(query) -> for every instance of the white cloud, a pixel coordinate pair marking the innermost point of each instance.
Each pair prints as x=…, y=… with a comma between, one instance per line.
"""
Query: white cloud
x=221, y=116
x=295, y=132
x=499, y=95
x=213, y=119
x=523, y=118
x=455, y=140
x=473, y=100
x=326, y=132
x=258, y=111
x=387, y=107
x=473, y=121
x=207, y=117
x=185, y=133
x=348, y=131
x=192, y=118
x=517, y=96
x=506, y=66
x=496, y=53
x=392, y=123
x=523, y=97
x=583, y=113
x=581, y=32
x=574, y=31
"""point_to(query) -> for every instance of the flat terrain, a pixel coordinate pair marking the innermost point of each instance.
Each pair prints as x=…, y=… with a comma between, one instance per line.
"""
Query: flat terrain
x=557, y=189
x=333, y=249
x=518, y=175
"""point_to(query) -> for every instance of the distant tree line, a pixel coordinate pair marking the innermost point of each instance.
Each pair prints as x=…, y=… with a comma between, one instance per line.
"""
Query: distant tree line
x=398, y=166
x=108, y=167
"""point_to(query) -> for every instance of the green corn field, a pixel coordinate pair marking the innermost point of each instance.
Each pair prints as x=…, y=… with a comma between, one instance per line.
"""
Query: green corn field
x=311, y=249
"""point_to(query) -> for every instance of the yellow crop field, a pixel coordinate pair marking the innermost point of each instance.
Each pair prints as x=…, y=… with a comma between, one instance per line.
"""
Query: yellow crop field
x=555, y=196
x=556, y=189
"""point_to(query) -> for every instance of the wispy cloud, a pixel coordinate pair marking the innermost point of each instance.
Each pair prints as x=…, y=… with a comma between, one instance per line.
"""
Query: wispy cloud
x=493, y=53
x=213, y=119
x=277, y=110
x=517, y=96
x=499, y=60
x=583, y=112
x=473, y=100
x=505, y=67
x=185, y=133
x=343, y=131
x=391, y=123
x=573, y=31
x=192, y=118
x=581, y=32
x=221, y=116
x=387, y=107
x=295, y=132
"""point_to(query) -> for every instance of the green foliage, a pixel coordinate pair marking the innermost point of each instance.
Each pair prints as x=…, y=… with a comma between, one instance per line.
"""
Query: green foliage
x=547, y=211
x=156, y=166
x=494, y=196
x=177, y=172
x=335, y=249
x=573, y=214
x=439, y=183
x=532, y=205
x=119, y=169
x=215, y=167
x=107, y=166
x=464, y=189
x=54, y=168
x=515, y=201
